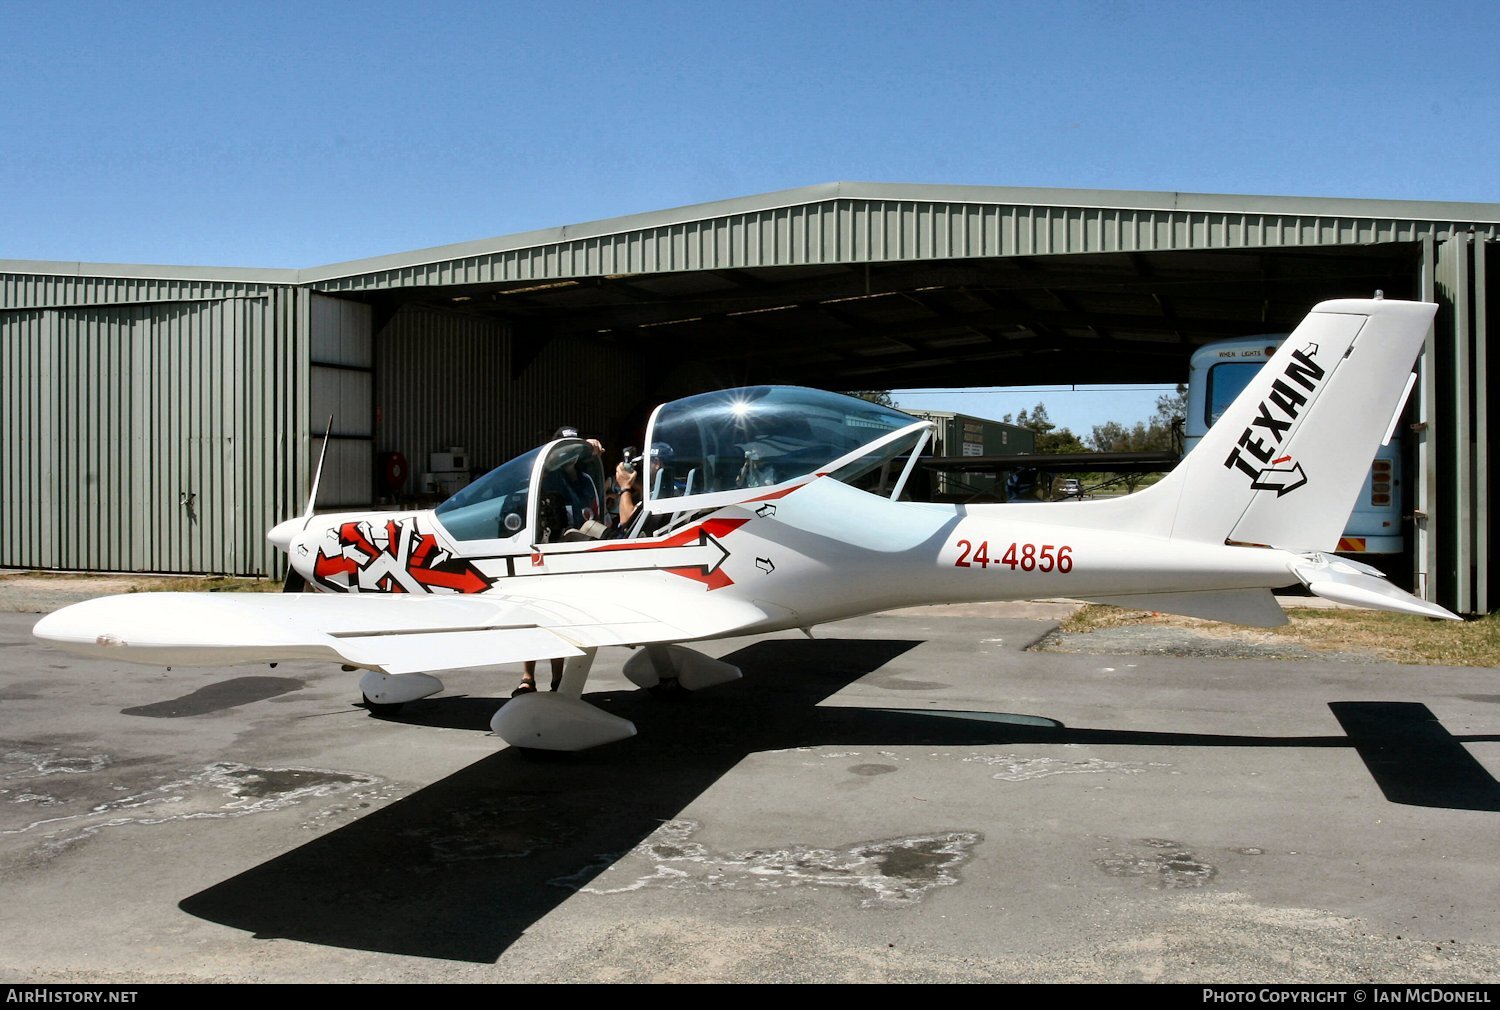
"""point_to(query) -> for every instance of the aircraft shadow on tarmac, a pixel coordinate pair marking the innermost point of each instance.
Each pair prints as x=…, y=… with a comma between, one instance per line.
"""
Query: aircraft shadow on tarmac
x=461, y=868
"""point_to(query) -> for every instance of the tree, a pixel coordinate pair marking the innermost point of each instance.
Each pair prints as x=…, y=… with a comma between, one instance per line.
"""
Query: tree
x=1171, y=405
x=1160, y=432
x=1171, y=414
x=1163, y=432
x=1111, y=436
x=1049, y=437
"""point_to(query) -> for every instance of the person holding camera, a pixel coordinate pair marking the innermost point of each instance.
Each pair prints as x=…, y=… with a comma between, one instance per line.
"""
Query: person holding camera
x=628, y=479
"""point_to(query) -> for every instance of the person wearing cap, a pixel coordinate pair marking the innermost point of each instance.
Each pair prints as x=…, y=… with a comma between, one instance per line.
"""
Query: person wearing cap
x=628, y=479
x=570, y=431
x=581, y=499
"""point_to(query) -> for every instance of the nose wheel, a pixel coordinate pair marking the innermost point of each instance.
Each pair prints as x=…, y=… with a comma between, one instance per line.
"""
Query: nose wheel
x=668, y=689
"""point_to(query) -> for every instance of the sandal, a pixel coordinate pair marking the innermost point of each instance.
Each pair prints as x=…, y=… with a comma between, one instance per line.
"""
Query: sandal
x=525, y=687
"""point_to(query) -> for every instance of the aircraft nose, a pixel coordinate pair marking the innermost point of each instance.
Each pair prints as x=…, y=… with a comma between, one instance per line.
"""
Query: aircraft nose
x=283, y=533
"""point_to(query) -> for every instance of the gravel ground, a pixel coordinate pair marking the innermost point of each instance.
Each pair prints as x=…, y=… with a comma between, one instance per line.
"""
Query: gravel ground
x=1221, y=642
x=32, y=593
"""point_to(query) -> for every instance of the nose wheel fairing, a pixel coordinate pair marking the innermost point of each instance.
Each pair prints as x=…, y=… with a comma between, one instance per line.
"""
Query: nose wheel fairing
x=562, y=721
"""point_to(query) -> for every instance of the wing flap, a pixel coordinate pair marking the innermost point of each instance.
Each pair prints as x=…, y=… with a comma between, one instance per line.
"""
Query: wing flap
x=452, y=650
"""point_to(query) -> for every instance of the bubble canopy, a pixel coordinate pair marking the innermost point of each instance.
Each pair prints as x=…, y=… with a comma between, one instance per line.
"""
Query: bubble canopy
x=711, y=447
x=705, y=451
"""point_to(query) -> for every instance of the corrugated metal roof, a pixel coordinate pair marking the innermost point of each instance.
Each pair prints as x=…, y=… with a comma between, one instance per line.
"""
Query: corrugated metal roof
x=869, y=222
x=37, y=285
x=839, y=222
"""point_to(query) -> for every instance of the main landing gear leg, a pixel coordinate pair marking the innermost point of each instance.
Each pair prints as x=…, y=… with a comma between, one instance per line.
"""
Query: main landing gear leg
x=575, y=673
x=561, y=719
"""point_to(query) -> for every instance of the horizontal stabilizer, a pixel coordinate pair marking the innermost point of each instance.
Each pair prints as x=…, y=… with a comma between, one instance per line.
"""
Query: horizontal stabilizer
x=1342, y=582
x=1255, y=607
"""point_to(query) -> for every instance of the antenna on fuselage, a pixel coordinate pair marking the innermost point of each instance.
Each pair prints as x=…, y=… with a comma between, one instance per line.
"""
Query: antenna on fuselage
x=312, y=496
x=295, y=583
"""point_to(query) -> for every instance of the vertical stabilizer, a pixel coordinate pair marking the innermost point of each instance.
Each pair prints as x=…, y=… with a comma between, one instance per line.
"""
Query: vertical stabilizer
x=1284, y=464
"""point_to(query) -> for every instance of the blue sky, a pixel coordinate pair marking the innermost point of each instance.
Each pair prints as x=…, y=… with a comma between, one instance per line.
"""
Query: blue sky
x=287, y=135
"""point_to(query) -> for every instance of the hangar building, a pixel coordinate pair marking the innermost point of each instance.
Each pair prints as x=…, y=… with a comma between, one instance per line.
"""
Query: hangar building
x=162, y=418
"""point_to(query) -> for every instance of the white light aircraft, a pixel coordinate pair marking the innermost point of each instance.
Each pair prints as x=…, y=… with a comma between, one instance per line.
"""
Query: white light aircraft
x=773, y=508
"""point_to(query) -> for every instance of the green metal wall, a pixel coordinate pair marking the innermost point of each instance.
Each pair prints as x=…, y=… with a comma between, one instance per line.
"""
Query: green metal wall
x=150, y=428
x=444, y=379
x=1457, y=429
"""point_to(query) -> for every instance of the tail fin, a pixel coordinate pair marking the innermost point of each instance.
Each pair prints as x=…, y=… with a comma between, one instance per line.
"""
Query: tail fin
x=1284, y=464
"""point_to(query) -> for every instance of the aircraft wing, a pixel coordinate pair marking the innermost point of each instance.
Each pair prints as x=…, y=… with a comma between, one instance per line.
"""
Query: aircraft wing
x=392, y=634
